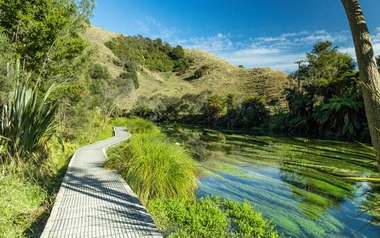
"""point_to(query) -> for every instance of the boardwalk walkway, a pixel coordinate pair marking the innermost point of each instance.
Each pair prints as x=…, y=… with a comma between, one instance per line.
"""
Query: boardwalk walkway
x=94, y=202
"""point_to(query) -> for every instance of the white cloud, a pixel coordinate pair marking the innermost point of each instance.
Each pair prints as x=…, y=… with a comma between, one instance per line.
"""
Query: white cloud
x=167, y=32
x=271, y=39
x=276, y=51
x=142, y=26
x=220, y=35
x=322, y=35
x=211, y=44
x=320, y=32
x=263, y=57
x=153, y=21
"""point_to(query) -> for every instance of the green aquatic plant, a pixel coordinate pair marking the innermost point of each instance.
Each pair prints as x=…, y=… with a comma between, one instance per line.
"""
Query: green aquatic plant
x=299, y=183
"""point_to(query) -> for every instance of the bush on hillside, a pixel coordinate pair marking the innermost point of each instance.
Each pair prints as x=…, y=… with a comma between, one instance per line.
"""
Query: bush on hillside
x=201, y=71
x=152, y=54
x=130, y=66
x=130, y=76
x=98, y=71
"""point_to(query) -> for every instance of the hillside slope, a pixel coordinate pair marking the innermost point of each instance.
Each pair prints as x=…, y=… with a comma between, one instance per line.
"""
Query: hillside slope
x=221, y=77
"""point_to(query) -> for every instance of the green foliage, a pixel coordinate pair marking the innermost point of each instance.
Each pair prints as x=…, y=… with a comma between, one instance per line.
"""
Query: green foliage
x=27, y=122
x=201, y=71
x=5, y=57
x=340, y=115
x=46, y=33
x=20, y=202
x=154, y=167
x=137, y=125
x=177, y=53
x=152, y=54
x=142, y=110
x=326, y=61
x=213, y=109
x=130, y=76
x=254, y=111
x=130, y=66
x=106, y=92
x=98, y=71
x=230, y=101
x=209, y=217
x=328, y=102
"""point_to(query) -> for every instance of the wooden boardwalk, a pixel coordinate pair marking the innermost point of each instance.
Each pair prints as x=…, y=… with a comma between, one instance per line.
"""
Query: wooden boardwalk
x=94, y=202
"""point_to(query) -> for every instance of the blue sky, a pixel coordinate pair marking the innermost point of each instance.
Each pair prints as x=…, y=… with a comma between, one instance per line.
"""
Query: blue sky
x=270, y=33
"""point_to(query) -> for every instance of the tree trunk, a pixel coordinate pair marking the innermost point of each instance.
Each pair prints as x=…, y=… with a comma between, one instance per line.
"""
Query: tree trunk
x=367, y=70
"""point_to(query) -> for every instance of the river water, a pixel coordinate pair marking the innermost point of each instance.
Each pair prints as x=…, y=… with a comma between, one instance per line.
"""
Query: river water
x=297, y=183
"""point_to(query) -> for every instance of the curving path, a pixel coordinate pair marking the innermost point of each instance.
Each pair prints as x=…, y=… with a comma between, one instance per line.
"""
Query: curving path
x=94, y=202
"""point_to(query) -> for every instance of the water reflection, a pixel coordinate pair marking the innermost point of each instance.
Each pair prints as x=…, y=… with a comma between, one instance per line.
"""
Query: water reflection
x=294, y=201
x=315, y=195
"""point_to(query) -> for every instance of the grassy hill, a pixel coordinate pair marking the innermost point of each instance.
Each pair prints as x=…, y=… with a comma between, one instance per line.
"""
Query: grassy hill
x=221, y=77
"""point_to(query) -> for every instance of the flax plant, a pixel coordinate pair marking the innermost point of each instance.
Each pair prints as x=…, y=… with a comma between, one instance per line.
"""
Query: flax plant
x=27, y=121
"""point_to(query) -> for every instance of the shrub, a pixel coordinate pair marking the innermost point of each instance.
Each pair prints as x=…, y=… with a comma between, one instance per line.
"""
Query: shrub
x=154, y=167
x=130, y=66
x=117, y=62
x=210, y=217
x=98, y=71
x=131, y=76
x=201, y=71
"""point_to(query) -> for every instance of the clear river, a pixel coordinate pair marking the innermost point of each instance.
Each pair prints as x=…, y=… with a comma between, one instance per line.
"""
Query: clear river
x=300, y=184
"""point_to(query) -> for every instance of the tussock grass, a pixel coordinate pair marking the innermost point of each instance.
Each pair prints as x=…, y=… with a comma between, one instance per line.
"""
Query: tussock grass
x=154, y=167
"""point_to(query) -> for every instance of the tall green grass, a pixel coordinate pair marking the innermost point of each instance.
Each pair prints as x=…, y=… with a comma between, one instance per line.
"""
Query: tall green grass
x=21, y=203
x=154, y=167
x=135, y=125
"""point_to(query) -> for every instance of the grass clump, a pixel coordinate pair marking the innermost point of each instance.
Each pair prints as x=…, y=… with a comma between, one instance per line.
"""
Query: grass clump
x=135, y=125
x=210, y=217
x=154, y=167
x=20, y=205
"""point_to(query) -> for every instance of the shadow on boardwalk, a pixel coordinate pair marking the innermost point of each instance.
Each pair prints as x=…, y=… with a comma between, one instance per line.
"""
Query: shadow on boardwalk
x=94, y=202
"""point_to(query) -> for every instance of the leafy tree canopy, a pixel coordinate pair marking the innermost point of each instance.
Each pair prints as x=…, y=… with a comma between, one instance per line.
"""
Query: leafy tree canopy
x=325, y=61
x=43, y=31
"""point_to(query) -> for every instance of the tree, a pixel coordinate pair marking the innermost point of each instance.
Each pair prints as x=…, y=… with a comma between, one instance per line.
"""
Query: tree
x=367, y=69
x=325, y=61
x=46, y=33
